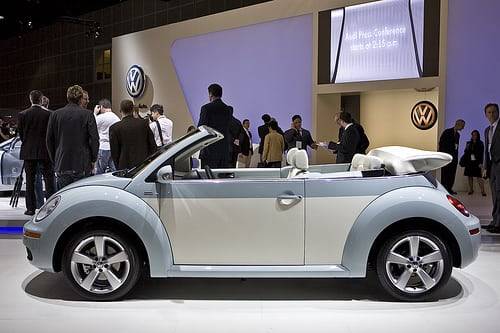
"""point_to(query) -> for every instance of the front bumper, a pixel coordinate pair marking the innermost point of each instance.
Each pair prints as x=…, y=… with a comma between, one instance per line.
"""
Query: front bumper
x=39, y=250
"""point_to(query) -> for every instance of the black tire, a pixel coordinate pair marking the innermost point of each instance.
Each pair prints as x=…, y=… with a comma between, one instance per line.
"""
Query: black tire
x=134, y=267
x=413, y=292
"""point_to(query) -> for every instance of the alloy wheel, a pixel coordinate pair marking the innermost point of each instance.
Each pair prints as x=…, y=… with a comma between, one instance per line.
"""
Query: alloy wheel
x=414, y=264
x=100, y=264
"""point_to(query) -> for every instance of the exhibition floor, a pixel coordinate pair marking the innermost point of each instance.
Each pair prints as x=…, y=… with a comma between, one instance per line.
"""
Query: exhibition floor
x=31, y=300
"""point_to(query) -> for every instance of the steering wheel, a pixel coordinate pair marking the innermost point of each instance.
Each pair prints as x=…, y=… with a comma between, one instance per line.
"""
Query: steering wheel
x=209, y=173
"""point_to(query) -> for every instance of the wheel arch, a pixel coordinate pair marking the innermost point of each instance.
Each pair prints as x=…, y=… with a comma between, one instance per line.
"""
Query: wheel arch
x=96, y=222
x=113, y=209
x=403, y=209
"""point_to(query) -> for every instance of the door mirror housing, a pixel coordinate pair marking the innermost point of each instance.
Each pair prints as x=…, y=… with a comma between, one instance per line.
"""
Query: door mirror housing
x=165, y=174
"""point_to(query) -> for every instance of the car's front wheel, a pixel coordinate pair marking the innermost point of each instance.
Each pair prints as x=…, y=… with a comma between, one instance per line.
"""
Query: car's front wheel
x=413, y=265
x=101, y=265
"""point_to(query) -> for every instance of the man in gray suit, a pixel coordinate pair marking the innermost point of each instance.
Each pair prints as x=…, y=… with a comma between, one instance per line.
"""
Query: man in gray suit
x=492, y=163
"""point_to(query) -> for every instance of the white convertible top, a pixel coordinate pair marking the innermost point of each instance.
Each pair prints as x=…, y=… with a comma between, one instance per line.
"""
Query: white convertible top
x=403, y=160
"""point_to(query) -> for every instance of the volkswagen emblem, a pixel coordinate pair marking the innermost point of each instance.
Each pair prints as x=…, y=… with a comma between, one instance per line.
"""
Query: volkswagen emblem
x=424, y=115
x=136, y=81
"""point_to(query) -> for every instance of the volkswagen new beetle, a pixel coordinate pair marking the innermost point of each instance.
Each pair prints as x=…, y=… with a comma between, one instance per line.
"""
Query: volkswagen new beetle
x=164, y=218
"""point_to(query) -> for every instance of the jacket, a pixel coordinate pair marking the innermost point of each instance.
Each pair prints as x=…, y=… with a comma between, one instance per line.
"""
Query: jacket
x=32, y=126
x=274, y=146
x=131, y=141
x=217, y=115
x=72, y=139
x=348, y=145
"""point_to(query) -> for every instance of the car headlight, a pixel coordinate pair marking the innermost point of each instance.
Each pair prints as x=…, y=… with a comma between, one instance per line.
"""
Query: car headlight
x=48, y=208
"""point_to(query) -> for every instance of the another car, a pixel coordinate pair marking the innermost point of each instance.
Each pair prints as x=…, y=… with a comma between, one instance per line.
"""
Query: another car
x=165, y=219
x=10, y=164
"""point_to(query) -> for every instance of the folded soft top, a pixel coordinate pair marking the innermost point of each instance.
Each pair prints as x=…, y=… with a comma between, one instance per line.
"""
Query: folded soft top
x=403, y=160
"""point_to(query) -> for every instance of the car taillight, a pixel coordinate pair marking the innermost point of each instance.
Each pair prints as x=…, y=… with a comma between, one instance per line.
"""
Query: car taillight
x=458, y=205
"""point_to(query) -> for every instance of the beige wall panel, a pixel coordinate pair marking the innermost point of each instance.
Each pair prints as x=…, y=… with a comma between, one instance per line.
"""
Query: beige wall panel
x=385, y=115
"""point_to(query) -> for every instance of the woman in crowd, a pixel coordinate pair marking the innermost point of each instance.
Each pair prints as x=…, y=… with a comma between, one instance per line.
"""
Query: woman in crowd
x=473, y=160
x=274, y=145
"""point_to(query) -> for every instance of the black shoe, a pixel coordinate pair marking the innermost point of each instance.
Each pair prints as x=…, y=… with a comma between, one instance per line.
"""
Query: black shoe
x=488, y=226
x=494, y=230
x=29, y=212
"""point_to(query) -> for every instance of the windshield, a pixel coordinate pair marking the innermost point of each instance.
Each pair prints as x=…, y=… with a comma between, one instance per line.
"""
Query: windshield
x=135, y=170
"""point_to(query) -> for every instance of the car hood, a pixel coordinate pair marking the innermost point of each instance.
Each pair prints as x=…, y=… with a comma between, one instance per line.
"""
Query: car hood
x=106, y=179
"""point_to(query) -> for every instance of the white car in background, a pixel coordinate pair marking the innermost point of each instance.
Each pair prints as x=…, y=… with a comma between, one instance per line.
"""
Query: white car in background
x=10, y=164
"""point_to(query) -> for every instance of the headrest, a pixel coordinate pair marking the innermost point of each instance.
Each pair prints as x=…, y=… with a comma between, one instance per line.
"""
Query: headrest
x=290, y=155
x=301, y=160
x=362, y=162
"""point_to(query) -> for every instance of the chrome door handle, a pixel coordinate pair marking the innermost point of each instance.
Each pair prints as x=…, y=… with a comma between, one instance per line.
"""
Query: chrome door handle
x=289, y=199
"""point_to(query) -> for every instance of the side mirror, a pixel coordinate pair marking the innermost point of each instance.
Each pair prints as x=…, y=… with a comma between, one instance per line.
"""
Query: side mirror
x=164, y=175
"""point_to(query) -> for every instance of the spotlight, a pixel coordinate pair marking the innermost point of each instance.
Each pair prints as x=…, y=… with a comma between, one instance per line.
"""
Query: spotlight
x=1, y=17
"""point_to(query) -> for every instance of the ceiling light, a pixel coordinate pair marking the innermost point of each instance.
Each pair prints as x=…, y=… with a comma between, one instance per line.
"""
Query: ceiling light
x=1, y=17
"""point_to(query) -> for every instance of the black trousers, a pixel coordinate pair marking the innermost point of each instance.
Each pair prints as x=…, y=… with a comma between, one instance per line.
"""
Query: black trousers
x=495, y=192
x=274, y=164
x=48, y=177
x=448, y=175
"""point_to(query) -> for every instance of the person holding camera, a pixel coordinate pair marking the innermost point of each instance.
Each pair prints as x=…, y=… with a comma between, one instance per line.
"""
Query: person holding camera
x=104, y=118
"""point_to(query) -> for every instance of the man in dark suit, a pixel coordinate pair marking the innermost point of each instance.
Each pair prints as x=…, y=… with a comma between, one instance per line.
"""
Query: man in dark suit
x=72, y=140
x=32, y=126
x=349, y=142
x=235, y=130
x=448, y=143
x=263, y=130
x=216, y=115
x=492, y=163
x=131, y=140
x=298, y=137
x=246, y=146
x=364, y=142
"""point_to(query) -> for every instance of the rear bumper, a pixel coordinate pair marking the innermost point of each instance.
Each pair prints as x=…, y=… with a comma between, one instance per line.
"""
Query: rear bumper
x=469, y=247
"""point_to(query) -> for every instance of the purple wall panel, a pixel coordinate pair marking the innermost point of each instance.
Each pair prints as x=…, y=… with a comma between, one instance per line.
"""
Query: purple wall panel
x=263, y=68
x=473, y=57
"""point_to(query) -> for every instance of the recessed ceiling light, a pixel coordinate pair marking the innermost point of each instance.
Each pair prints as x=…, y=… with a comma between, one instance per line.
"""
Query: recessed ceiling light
x=1, y=17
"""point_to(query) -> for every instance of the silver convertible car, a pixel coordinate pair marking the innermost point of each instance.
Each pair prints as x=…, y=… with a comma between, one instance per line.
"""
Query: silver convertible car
x=165, y=219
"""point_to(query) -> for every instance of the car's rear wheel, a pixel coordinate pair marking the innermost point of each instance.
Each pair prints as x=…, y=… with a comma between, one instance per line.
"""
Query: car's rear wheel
x=413, y=265
x=101, y=265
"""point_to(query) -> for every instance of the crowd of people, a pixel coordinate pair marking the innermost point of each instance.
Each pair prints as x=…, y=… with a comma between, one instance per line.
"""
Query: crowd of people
x=481, y=160
x=274, y=142
x=72, y=143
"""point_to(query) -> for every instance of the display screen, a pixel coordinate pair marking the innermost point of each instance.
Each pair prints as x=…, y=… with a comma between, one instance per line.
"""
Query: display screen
x=380, y=40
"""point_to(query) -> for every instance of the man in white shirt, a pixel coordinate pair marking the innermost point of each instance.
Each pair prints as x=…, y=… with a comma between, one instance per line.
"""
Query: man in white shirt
x=104, y=118
x=161, y=126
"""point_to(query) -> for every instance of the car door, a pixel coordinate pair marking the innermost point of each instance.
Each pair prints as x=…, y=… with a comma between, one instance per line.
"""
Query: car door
x=234, y=221
x=11, y=165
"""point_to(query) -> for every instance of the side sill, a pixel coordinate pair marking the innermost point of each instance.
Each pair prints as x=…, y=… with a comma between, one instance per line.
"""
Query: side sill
x=308, y=271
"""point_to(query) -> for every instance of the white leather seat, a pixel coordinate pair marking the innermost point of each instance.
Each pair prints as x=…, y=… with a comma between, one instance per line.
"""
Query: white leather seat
x=291, y=155
x=362, y=162
x=300, y=163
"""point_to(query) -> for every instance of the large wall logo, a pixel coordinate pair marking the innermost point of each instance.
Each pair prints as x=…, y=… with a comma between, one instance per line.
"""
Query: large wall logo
x=424, y=115
x=136, y=81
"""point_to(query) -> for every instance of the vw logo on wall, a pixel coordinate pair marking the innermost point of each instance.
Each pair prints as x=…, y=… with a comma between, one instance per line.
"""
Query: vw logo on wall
x=136, y=81
x=424, y=115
